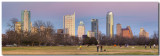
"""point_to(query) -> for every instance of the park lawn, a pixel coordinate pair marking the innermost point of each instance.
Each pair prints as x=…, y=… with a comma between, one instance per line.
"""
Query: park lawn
x=73, y=50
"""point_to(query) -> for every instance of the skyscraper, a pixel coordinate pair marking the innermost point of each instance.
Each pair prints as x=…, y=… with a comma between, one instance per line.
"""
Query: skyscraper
x=109, y=25
x=143, y=33
x=81, y=30
x=127, y=32
x=119, y=29
x=25, y=21
x=94, y=27
x=69, y=24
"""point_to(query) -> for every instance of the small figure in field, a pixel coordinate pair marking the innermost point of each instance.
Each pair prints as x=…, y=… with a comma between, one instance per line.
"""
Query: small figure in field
x=150, y=46
x=154, y=46
x=145, y=46
x=101, y=48
x=97, y=48
x=80, y=47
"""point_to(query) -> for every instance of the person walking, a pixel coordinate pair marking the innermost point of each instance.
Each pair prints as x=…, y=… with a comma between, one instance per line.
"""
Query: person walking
x=97, y=48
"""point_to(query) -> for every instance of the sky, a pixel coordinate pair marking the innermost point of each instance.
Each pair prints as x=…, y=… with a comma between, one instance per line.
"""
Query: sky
x=133, y=14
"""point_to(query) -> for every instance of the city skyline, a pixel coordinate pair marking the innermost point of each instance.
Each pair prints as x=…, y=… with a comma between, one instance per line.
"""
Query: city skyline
x=149, y=15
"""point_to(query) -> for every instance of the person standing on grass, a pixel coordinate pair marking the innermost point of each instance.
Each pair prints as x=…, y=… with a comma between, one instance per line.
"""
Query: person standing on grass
x=97, y=48
x=150, y=46
x=154, y=46
x=80, y=47
x=101, y=48
x=145, y=46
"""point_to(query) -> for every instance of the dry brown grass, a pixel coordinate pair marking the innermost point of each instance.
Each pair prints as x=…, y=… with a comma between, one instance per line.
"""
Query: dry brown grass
x=72, y=50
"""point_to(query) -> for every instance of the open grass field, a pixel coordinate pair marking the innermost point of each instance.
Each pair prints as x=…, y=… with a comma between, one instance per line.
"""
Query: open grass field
x=73, y=50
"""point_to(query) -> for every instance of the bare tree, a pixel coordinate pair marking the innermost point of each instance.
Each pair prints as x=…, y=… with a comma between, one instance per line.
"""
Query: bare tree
x=45, y=30
x=12, y=25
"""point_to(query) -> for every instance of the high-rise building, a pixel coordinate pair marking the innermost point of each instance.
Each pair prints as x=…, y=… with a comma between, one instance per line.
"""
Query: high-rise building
x=127, y=32
x=90, y=34
x=25, y=21
x=143, y=33
x=94, y=27
x=18, y=27
x=119, y=29
x=81, y=30
x=69, y=24
x=109, y=25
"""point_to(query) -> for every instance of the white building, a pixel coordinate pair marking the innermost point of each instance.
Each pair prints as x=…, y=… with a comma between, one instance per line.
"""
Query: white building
x=69, y=24
x=81, y=30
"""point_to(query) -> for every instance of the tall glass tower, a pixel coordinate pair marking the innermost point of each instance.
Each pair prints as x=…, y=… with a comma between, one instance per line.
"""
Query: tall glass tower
x=25, y=21
x=109, y=25
x=94, y=27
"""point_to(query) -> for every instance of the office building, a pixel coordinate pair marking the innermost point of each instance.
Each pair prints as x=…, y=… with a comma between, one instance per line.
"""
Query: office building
x=94, y=27
x=109, y=25
x=69, y=24
x=127, y=32
x=118, y=29
x=81, y=30
x=25, y=21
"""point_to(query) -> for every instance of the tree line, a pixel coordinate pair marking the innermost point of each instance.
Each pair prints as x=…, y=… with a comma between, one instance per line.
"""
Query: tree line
x=119, y=40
